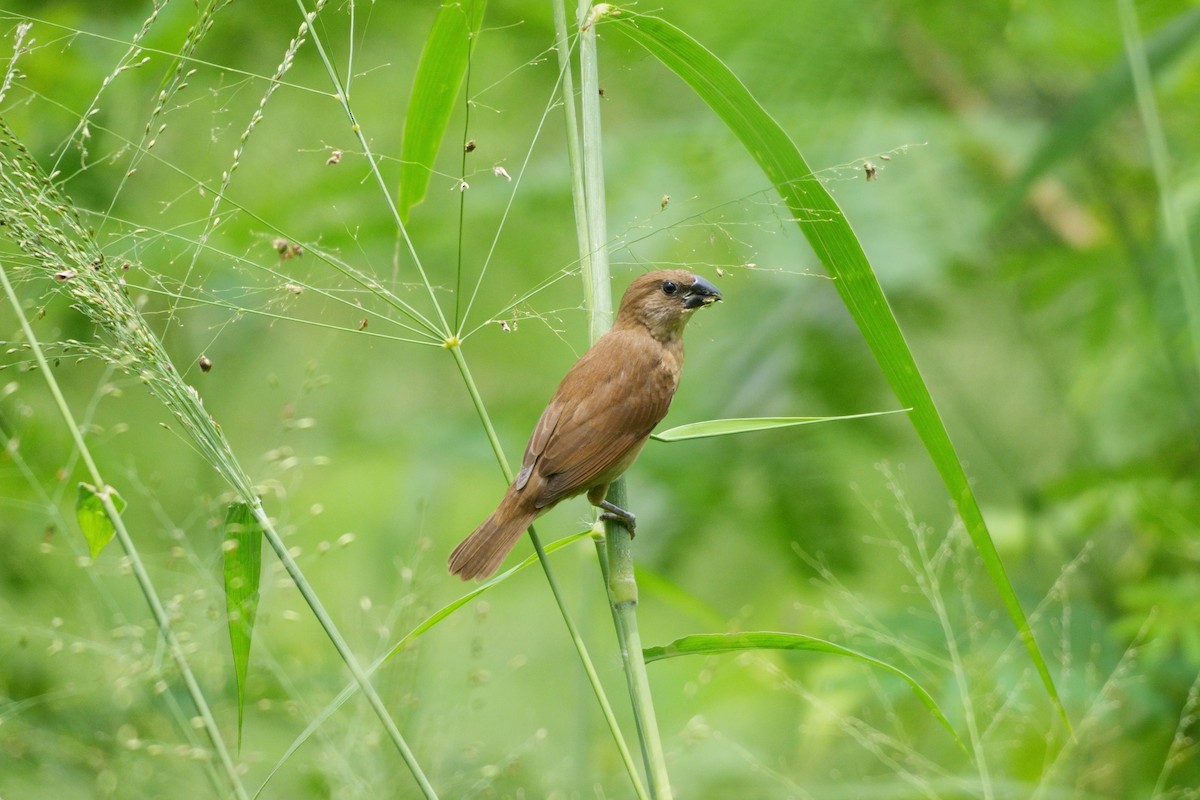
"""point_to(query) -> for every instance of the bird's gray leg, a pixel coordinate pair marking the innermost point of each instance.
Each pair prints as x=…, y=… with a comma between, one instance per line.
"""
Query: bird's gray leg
x=615, y=513
x=612, y=511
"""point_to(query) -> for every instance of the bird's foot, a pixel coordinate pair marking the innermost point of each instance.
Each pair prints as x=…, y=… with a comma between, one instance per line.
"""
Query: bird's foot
x=615, y=513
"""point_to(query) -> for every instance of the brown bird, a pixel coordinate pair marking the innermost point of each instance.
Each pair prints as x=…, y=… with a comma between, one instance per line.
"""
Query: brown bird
x=599, y=418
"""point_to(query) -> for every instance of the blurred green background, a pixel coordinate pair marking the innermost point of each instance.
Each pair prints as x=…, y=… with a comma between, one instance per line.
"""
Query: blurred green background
x=1043, y=304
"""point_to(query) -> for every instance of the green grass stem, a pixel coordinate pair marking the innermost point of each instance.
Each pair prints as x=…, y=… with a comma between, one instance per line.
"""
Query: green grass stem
x=618, y=565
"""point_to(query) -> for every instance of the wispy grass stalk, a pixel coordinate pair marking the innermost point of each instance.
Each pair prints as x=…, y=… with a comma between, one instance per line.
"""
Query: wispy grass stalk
x=1096, y=716
x=1183, y=743
x=141, y=575
x=927, y=571
x=171, y=86
x=46, y=227
x=213, y=218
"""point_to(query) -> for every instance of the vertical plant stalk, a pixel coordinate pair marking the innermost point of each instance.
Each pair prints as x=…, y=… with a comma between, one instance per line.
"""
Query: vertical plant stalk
x=617, y=565
x=562, y=46
x=105, y=493
x=597, y=283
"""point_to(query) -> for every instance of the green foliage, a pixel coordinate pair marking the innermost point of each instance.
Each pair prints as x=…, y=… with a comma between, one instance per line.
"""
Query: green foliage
x=1026, y=200
x=727, y=427
x=242, y=548
x=436, y=89
x=1112, y=91
x=93, y=519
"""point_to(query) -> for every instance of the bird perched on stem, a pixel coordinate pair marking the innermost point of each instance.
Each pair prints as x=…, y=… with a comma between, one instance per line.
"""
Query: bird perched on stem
x=598, y=420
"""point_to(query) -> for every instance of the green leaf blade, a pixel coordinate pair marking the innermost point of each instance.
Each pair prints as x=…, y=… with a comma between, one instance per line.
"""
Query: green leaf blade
x=440, y=74
x=715, y=643
x=242, y=547
x=833, y=240
x=728, y=427
x=92, y=516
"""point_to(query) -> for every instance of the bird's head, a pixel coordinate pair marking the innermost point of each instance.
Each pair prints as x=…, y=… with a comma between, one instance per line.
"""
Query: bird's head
x=664, y=301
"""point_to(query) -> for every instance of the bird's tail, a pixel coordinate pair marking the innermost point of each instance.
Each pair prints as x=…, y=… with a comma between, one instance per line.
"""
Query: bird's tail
x=479, y=555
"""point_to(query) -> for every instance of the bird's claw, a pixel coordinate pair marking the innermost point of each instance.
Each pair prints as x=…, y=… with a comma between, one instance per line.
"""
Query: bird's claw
x=614, y=513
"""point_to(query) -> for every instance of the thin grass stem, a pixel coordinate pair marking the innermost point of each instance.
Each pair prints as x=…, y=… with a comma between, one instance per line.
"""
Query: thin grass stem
x=343, y=99
x=360, y=675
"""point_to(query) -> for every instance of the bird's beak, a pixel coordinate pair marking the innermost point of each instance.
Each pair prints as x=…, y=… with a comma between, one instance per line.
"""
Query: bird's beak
x=700, y=293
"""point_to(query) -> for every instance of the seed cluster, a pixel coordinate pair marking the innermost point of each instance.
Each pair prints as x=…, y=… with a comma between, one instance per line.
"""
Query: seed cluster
x=58, y=250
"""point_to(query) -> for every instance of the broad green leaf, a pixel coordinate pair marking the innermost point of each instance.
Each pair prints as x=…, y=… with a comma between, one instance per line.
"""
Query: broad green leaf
x=832, y=239
x=726, y=427
x=1113, y=90
x=440, y=73
x=93, y=518
x=242, y=546
x=710, y=643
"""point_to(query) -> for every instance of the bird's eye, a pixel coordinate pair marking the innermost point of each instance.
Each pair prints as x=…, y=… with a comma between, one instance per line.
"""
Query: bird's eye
x=670, y=287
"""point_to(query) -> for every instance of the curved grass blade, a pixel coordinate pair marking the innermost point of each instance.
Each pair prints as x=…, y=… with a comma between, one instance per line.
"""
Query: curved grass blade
x=832, y=239
x=711, y=643
x=243, y=567
x=726, y=427
x=93, y=520
x=435, y=89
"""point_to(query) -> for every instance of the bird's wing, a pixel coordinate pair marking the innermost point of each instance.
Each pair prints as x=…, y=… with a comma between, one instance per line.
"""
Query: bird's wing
x=600, y=416
x=542, y=433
